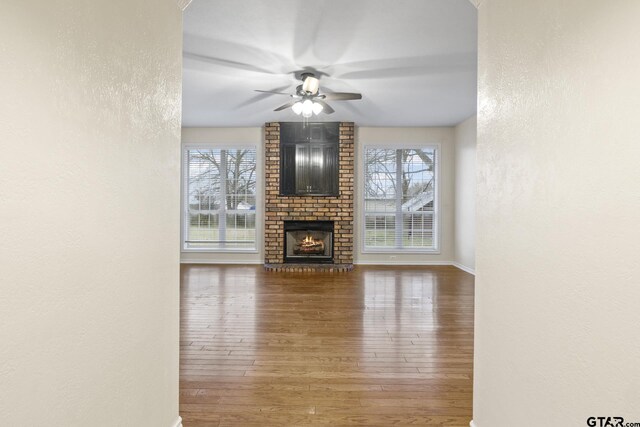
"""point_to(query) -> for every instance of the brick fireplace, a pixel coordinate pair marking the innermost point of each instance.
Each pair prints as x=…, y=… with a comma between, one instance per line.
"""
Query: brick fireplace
x=336, y=209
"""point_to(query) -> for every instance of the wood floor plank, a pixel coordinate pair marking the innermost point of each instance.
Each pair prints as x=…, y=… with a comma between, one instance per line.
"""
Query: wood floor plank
x=379, y=346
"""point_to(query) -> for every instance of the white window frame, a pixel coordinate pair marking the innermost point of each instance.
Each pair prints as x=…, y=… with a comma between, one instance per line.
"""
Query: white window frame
x=185, y=191
x=436, y=200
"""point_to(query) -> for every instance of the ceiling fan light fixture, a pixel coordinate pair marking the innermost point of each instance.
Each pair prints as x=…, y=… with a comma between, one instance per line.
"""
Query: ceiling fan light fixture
x=297, y=107
x=317, y=108
x=307, y=108
x=311, y=85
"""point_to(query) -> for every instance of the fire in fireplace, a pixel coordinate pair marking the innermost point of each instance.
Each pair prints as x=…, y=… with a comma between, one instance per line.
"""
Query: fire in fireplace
x=309, y=246
x=308, y=241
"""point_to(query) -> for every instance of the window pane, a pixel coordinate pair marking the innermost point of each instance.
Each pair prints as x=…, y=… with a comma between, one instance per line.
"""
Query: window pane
x=221, y=199
x=417, y=230
x=417, y=179
x=241, y=230
x=379, y=179
x=380, y=231
x=241, y=179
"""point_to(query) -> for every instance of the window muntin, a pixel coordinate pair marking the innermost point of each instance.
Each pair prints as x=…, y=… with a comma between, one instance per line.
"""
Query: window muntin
x=220, y=199
x=400, y=199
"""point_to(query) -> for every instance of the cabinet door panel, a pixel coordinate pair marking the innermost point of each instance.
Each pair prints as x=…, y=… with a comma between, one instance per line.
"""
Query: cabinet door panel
x=288, y=165
x=316, y=166
x=302, y=167
x=328, y=175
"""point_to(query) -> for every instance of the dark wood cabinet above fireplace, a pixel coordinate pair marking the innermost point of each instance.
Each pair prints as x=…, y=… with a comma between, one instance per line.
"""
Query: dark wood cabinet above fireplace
x=309, y=154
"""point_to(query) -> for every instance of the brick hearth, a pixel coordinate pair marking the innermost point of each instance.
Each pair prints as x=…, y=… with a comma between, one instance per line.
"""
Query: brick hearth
x=308, y=208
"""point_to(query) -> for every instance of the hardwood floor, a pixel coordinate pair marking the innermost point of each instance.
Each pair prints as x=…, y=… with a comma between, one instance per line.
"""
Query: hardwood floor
x=377, y=346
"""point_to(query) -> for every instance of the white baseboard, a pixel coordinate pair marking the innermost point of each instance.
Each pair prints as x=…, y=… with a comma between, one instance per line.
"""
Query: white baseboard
x=464, y=268
x=178, y=422
x=222, y=262
x=472, y=424
x=402, y=262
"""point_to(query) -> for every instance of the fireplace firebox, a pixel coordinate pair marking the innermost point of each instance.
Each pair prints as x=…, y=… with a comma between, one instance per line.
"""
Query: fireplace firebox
x=308, y=242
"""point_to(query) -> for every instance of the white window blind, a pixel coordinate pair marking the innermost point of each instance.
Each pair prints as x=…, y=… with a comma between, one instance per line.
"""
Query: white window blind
x=220, y=199
x=400, y=208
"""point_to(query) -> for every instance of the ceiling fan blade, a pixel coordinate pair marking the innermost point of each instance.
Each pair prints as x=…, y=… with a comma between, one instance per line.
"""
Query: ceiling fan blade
x=225, y=63
x=261, y=96
x=285, y=106
x=342, y=96
x=413, y=66
x=326, y=108
x=272, y=91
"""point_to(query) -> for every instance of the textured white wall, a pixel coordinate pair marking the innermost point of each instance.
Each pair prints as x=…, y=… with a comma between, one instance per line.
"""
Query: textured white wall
x=89, y=212
x=465, y=195
x=558, y=235
x=400, y=136
x=231, y=137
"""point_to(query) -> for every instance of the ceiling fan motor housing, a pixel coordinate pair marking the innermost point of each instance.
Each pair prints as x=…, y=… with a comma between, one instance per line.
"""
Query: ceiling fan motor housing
x=310, y=84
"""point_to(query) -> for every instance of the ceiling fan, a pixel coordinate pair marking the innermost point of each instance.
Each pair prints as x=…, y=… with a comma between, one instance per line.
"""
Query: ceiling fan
x=308, y=100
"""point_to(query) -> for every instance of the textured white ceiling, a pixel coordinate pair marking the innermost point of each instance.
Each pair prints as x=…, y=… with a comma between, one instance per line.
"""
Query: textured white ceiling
x=414, y=61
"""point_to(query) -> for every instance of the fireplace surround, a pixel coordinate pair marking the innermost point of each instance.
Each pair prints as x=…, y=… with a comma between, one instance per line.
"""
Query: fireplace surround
x=308, y=242
x=337, y=208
